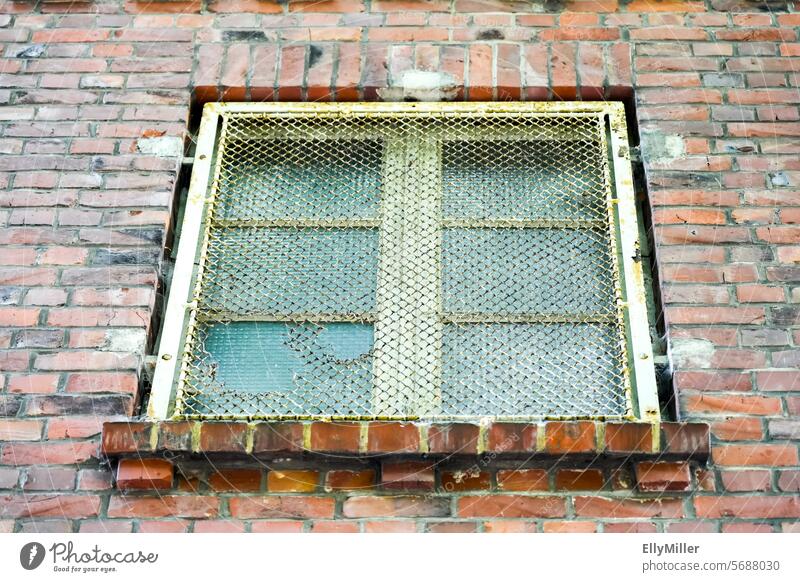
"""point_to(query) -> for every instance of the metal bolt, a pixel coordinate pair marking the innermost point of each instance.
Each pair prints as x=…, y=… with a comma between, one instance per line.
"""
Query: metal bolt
x=166, y=357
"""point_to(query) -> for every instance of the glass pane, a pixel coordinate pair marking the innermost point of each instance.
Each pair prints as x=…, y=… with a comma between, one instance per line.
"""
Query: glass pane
x=300, y=179
x=524, y=179
x=526, y=270
x=283, y=368
x=291, y=271
x=532, y=369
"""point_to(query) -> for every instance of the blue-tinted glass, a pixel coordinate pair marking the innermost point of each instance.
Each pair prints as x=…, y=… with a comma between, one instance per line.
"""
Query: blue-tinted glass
x=274, y=356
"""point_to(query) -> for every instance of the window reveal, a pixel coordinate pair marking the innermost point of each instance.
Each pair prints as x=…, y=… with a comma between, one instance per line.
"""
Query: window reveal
x=412, y=261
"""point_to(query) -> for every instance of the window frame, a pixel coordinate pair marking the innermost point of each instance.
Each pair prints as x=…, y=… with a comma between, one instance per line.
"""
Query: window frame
x=191, y=247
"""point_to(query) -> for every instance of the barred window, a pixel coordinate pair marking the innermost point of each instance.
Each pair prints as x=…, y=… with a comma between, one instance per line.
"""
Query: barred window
x=408, y=261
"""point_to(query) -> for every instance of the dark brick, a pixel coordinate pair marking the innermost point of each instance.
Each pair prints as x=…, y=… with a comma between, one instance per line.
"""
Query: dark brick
x=278, y=437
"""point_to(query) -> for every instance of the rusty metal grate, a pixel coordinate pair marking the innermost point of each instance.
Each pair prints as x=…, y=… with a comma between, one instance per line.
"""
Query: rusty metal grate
x=408, y=263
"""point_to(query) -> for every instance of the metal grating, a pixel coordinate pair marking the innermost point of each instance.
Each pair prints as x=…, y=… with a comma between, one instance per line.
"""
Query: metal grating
x=408, y=264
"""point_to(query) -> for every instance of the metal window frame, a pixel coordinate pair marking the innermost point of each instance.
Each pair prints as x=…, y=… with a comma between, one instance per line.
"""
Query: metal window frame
x=623, y=222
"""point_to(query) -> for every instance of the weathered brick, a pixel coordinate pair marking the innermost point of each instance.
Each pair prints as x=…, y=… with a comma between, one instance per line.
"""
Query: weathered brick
x=407, y=475
x=396, y=506
x=144, y=474
x=663, y=476
x=282, y=507
x=292, y=481
x=356, y=480
x=392, y=437
x=570, y=437
x=518, y=506
x=164, y=506
x=335, y=437
x=454, y=438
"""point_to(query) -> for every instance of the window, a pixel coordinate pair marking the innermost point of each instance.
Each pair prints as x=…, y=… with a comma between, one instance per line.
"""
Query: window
x=408, y=261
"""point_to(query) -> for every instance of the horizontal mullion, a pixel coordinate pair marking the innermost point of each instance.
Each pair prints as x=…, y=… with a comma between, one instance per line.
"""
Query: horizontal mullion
x=226, y=317
x=446, y=134
x=297, y=223
x=533, y=223
x=529, y=318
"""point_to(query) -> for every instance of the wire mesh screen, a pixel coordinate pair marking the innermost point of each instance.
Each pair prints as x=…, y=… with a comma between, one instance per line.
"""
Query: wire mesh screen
x=408, y=265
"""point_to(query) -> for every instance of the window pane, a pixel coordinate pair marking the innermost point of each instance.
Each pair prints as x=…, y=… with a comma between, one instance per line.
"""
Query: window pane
x=526, y=270
x=300, y=179
x=532, y=369
x=291, y=271
x=283, y=368
x=525, y=179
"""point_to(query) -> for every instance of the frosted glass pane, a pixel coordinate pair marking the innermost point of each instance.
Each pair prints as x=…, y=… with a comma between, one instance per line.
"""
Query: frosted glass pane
x=300, y=178
x=521, y=179
x=290, y=271
x=284, y=368
x=532, y=369
x=518, y=271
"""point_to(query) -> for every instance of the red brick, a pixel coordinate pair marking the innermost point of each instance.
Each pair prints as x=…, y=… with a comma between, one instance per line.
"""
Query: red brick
x=685, y=438
x=712, y=403
x=47, y=453
x=94, y=480
x=407, y=475
x=396, y=506
x=756, y=454
x=48, y=505
x=392, y=437
x=569, y=527
x=278, y=437
x=629, y=437
x=630, y=527
x=218, y=526
x=738, y=481
x=453, y=438
x=778, y=380
x=282, y=526
x=343, y=479
x=759, y=294
x=292, y=481
x=18, y=316
x=125, y=382
x=20, y=430
x=144, y=474
x=509, y=526
x=748, y=507
x=164, y=506
x=228, y=437
x=282, y=507
x=49, y=478
x=468, y=480
x=510, y=506
x=663, y=476
x=127, y=437
x=237, y=480
x=335, y=437
x=451, y=527
x=628, y=508
x=512, y=437
x=738, y=429
x=171, y=526
x=408, y=526
x=523, y=480
x=579, y=479
x=570, y=437
x=334, y=527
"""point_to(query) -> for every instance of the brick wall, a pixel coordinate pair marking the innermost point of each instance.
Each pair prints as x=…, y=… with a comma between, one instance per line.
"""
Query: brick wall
x=96, y=102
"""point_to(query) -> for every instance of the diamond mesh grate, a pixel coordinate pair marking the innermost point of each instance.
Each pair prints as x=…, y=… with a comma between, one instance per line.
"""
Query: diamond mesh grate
x=408, y=265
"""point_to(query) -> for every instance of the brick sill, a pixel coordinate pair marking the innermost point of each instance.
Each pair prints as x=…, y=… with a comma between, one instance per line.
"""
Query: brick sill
x=666, y=441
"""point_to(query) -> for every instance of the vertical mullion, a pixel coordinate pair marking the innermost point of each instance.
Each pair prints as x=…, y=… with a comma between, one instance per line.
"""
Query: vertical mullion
x=408, y=332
